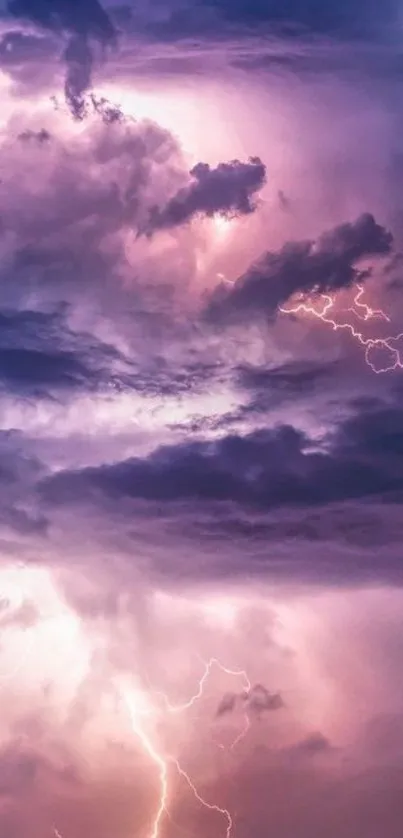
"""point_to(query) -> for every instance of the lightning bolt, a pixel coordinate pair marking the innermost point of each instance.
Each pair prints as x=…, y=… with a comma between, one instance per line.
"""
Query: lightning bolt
x=363, y=312
x=162, y=761
x=236, y=673
x=368, y=312
x=211, y=806
x=243, y=732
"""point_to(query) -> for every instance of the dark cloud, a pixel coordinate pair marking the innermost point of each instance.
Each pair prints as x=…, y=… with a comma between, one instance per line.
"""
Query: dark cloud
x=315, y=743
x=292, y=376
x=259, y=700
x=266, y=469
x=345, y=17
x=78, y=57
x=87, y=18
x=41, y=136
x=227, y=189
x=289, y=380
x=19, y=471
x=266, y=388
x=305, y=267
x=270, y=386
x=40, y=356
x=83, y=22
x=108, y=112
x=173, y=19
x=227, y=704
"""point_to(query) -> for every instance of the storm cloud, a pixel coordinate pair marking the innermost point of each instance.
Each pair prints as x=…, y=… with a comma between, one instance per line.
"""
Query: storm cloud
x=305, y=267
x=268, y=468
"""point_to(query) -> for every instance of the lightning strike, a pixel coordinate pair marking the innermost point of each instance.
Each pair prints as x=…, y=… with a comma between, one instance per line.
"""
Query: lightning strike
x=162, y=761
x=236, y=673
x=243, y=733
x=157, y=758
x=368, y=313
x=213, y=807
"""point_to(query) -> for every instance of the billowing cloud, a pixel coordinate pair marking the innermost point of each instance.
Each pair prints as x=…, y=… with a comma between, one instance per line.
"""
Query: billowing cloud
x=90, y=196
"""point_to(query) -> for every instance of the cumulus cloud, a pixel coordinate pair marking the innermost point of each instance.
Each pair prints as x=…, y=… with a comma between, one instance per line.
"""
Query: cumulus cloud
x=72, y=227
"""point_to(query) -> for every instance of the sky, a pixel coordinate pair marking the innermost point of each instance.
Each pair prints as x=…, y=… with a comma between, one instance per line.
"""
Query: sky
x=201, y=419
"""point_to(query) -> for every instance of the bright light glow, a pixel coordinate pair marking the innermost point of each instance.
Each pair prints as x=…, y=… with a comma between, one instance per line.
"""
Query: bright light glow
x=221, y=612
x=177, y=110
x=42, y=637
x=222, y=226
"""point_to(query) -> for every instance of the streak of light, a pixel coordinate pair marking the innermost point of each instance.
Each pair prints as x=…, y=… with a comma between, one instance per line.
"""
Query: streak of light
x=162, y=761
x=368, y=313
x=237, y=673
x=213, y=807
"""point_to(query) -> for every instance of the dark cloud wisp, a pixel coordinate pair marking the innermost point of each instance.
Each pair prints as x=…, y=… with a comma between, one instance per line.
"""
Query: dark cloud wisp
x=228, y=189
x=84, y=22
